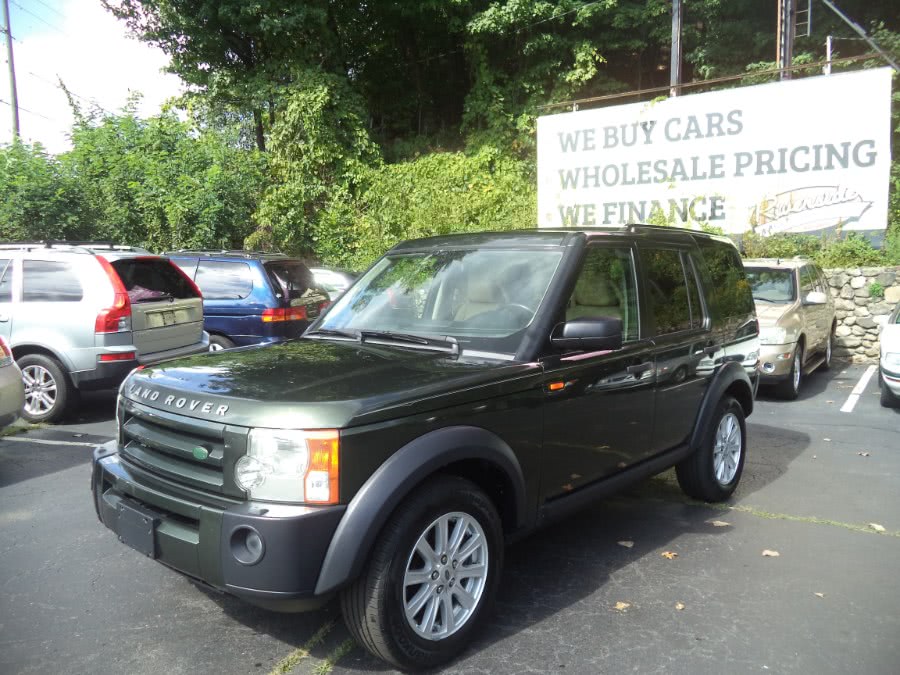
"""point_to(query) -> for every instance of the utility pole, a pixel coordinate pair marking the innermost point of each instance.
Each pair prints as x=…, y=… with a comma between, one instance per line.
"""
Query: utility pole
x=675, y=68
x=14, y=103
x=787, y=18
x=829, y=50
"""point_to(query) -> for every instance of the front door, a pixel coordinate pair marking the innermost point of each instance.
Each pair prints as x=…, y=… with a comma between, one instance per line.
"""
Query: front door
x=598, y=405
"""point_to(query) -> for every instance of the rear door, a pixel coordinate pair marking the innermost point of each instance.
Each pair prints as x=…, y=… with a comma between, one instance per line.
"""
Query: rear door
x=232, y=303
x=166, y=310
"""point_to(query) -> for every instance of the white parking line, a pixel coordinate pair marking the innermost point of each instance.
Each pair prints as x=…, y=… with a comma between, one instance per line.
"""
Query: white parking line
x=858, y=389
x=47, y=441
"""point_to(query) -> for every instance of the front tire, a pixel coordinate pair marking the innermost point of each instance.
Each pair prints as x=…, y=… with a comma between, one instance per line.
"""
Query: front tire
x=431, y=578
x=47, y=389
x=713, y=471
x=829, y=347
x=789, y=389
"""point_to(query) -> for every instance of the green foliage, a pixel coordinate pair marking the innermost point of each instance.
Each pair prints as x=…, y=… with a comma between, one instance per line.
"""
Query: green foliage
x=38, y=198
x=852, y=251
x=876, y=290
x=780, y=245
x=436, y=194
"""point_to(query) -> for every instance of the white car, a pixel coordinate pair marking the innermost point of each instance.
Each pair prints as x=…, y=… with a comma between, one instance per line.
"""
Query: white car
x=12, y=388
x=890, y=360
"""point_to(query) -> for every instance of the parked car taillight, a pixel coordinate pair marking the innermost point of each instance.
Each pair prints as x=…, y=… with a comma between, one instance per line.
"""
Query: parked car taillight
x=284, y=314
x=6, y=356
x=116, y=318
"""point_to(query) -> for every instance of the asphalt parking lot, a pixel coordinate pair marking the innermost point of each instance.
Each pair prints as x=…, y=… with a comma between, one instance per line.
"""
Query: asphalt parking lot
x=592, y=595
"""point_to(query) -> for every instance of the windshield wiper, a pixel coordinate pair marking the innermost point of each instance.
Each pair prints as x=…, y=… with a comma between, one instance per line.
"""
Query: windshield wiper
x=333, y=332
x=442, y=343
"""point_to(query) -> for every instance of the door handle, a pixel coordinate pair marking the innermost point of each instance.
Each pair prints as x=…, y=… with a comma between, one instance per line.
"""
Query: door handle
x=638, y=368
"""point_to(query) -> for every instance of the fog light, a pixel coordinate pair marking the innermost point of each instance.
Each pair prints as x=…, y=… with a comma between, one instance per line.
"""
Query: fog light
x=768, y=367
x=247, y=546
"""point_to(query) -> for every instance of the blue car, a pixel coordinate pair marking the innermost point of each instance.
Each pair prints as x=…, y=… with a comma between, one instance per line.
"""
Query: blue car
x=252, y=298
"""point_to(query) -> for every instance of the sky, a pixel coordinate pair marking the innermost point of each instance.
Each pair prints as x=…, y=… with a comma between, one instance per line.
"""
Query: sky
x=81, y=43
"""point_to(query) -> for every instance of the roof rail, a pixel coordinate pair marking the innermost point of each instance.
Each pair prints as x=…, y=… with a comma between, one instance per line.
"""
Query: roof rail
x=87, y=246
x=224, y=251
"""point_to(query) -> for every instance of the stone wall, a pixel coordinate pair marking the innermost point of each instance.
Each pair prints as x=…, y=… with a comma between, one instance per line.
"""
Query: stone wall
x=856, y=308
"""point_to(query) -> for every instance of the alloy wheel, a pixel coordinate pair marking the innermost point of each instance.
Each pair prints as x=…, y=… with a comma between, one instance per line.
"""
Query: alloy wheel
x=446, y=575
x=727, y=449
x=40, y=390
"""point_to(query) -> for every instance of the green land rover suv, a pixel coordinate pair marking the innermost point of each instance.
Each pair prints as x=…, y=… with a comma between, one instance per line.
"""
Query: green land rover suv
x=464, y=391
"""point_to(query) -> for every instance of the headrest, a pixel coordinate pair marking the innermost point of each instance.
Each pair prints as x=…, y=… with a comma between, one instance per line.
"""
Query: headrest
x=596, y=291
x=483, y=290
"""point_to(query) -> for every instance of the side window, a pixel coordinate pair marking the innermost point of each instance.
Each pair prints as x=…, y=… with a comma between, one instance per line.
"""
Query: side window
x=6, y=270
x=821, y=283
x=728, y=290
x=807, y=282
x=606, y=287
x=667, y=290
x=49, y=281
x=224, y=280
x=187, y=265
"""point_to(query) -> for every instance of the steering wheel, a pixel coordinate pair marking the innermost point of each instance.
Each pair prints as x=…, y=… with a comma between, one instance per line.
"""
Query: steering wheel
x=526, y=311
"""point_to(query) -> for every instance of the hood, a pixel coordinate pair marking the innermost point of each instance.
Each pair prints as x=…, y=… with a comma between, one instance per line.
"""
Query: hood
x=311, y=383
x=769, y=313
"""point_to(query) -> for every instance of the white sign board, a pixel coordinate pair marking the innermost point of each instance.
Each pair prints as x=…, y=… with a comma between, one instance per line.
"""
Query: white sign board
x=800, y=156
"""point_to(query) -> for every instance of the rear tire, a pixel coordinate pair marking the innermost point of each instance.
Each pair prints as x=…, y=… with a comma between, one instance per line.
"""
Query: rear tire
x=219, y=342
x=789, y=389
x=713, y=471
x=415, y=605
x=47, y=389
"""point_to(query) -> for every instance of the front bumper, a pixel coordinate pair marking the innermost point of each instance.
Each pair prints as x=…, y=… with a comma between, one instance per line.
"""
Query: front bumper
x=202, y=535
x=891, y=380
x=775, y=362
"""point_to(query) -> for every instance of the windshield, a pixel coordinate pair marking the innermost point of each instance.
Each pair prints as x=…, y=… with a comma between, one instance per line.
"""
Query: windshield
x=483, y=298
x=771, y=284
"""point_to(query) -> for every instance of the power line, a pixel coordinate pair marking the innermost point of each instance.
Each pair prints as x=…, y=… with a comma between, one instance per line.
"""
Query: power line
x=66, y=89
x=41, y=19
x=23, y=109
x=52, y=9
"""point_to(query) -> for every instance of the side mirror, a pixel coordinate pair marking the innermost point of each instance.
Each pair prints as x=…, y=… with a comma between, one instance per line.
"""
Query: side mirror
x=815, y=298
x=592, y=334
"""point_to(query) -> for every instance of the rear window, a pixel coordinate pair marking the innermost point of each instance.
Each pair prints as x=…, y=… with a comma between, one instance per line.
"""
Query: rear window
x=152, y=279
x=50, y=281
x=291, y=279
x=224, y=280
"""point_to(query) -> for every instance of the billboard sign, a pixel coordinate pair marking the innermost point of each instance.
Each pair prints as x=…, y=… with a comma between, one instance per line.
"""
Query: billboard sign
x=799, y=156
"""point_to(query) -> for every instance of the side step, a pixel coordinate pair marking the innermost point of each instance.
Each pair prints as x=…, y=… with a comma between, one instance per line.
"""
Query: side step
x=814, y=363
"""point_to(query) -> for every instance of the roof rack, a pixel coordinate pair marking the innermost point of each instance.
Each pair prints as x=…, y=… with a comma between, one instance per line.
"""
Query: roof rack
x=86, y=246
x=235, y=252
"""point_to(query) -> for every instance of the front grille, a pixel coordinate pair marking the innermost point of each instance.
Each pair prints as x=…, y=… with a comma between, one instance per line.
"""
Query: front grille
x=164, y=444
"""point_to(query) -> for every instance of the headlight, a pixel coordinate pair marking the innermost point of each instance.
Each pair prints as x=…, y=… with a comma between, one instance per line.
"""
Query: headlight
x=891, y=360
x=290, y=465
x=772, y=335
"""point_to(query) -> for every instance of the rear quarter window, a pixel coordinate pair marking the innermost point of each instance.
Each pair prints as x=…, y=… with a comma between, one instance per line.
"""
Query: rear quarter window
x=50, y=281
x=224, y=280
x=291, y=279
x=152, y=279
x=728, y=290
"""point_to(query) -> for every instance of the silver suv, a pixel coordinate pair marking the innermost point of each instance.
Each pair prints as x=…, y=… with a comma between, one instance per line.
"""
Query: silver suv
x=81, y=317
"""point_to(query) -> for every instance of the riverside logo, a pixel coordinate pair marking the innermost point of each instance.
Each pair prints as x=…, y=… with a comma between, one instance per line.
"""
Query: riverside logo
x=138, y=392
x=807, y=209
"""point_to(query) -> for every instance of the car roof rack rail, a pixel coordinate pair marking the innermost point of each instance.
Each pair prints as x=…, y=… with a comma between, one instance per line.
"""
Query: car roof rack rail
x=86, y=246
x=234, y=251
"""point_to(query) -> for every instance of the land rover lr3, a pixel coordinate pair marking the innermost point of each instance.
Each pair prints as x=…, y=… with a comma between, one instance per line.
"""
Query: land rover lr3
x=464, y=391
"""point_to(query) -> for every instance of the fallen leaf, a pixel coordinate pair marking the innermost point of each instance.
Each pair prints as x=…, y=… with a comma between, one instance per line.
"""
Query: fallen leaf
x=877, y=527
x=626, y=544
x=622, y=606
x=719, y=523
x=819, y=595
x=829, y=401
x=826, y=439
x=679, y=606
x=770, y=554
x=669, y=555
x=814, y=457
x=864, y=454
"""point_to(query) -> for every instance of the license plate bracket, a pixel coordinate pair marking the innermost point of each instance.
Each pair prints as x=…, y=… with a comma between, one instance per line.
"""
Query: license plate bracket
x=136, y=527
